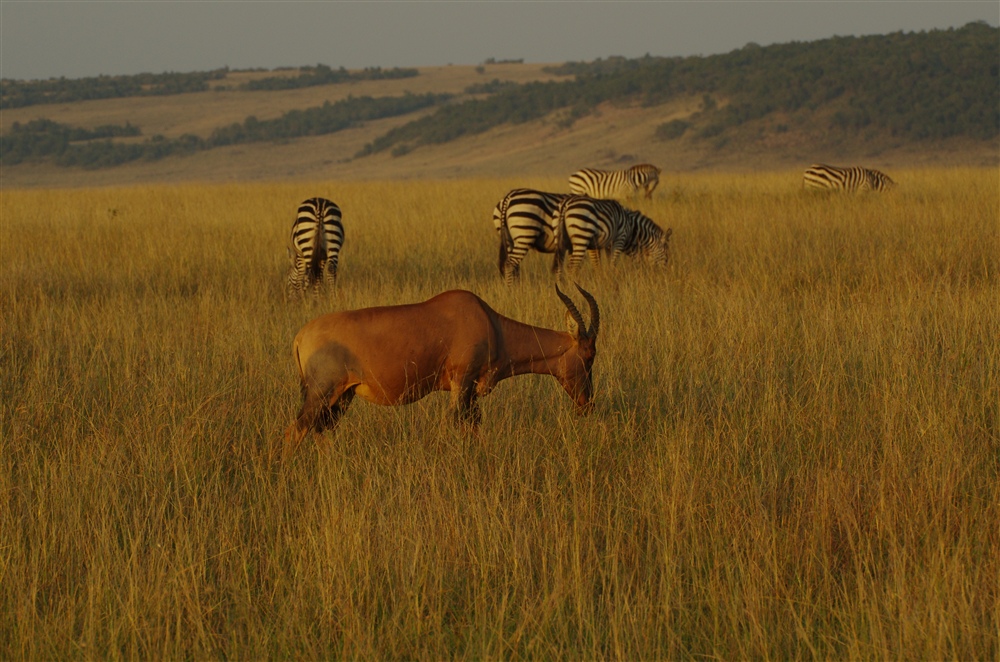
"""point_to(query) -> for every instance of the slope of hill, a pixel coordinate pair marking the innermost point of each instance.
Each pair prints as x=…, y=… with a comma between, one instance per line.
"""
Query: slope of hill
x=932, y=99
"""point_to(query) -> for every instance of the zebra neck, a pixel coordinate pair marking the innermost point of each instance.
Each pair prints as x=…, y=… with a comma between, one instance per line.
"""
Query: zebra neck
x=631, y=239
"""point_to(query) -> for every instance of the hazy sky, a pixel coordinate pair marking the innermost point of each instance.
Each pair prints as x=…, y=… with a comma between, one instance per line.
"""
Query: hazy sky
x=41, y=39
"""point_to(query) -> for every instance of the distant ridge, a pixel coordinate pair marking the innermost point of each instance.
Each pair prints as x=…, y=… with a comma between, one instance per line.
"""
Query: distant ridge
x=901, y=93
x=915, y=86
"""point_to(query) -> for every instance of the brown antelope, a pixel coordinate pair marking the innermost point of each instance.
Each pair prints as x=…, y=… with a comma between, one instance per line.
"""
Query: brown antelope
x=395, y=355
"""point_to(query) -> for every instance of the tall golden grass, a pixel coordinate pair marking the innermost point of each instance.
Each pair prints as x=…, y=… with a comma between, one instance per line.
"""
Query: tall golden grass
x=795, y=449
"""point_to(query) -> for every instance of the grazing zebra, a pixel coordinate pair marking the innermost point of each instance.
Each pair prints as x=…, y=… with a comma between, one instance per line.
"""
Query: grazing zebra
x=857, y=179
x=590, y=226
x=524, y=220
x=317, y=237
x=615, y=183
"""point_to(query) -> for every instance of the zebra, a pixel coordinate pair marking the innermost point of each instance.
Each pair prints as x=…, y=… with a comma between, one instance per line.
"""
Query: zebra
x=856, y=179
x=590, y=226
x=316, y=239
x=615, y=183
x=524, y=219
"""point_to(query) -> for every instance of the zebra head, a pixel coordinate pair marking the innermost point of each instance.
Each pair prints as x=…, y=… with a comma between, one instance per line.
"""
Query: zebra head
x=647, y=177
x=879, y=181
x=651, y=240
x=659, y=253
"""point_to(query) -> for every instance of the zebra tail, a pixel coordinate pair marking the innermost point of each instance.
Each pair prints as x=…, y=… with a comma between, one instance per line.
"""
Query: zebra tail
x=317, y=260
x=563, y=244
x=506, y=240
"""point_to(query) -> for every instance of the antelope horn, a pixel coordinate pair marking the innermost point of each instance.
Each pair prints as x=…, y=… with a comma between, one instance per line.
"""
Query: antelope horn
x=577, y=317
x=595, y=315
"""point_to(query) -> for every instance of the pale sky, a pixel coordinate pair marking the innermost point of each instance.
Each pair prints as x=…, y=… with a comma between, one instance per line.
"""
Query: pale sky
x=77, y=38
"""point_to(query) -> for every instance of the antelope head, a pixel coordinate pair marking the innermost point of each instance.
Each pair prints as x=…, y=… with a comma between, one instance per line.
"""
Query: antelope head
x=575, y=369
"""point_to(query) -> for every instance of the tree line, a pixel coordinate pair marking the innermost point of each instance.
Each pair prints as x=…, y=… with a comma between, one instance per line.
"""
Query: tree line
x=69, y=146
x=18, y=93
x=916, y=86
x=322, y=74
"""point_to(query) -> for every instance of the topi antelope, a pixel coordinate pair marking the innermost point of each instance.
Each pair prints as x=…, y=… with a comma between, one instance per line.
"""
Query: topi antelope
x=395, y=355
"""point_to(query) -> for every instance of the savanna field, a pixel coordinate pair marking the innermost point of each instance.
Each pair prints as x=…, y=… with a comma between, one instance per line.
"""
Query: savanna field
x=794, y=453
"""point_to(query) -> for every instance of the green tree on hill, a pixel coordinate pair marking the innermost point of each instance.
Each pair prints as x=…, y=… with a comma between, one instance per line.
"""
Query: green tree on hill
x=916, y=86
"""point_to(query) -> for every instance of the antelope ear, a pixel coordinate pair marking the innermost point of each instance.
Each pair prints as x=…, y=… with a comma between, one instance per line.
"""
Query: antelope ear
x=571, y=324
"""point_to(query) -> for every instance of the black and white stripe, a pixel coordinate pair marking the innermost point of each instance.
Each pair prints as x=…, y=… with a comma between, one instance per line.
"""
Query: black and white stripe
x=316, y=240
x=851, y=180
x=589, y=226
x=525, y=220
x=616, y=184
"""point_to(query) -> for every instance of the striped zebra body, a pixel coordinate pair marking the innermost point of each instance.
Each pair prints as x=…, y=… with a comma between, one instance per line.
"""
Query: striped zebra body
x=617, y=184
x=851, y=180
x=590, y=226
x=525, y=220
x=316, y=239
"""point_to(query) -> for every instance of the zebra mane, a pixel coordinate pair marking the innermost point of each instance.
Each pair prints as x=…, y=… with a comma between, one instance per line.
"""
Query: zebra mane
x=643, y=231
x=648, y=224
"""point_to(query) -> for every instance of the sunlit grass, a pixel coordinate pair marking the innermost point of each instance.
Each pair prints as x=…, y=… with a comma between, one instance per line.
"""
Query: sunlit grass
x=794, y=453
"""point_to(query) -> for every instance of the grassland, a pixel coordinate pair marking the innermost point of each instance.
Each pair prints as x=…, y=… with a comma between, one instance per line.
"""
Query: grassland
x=795, y=450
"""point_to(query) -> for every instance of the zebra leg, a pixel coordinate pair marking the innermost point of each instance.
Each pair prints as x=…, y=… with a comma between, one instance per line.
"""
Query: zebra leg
x=511, y=273
x=330, y=273
x=318, y=277
x=295, y=283
x=508, y=271
x=594, y=255
x=512, y=265
x=575, y=258
x=614, y=252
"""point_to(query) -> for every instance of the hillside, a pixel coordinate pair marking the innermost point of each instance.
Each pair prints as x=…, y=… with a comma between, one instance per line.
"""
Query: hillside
x=899, y=100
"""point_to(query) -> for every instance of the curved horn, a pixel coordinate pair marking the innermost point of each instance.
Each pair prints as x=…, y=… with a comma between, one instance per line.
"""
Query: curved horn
x=577, y=317
x=595, y=315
